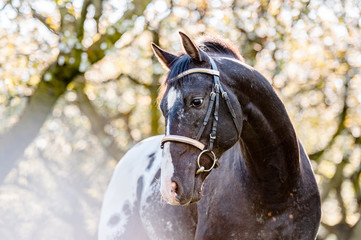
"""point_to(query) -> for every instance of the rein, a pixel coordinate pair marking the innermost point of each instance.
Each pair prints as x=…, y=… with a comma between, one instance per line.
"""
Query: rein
x=213, y=104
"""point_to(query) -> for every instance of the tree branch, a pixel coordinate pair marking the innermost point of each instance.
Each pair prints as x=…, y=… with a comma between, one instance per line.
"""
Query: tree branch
x=81, y=20
x=98, y=5
x=98, y=122
x=356, y=231
x=136, y=81
x=335, y=181
x=340, y=127
x=95, y=52
x=341, y=202
x=42, y=19
x=125, y=115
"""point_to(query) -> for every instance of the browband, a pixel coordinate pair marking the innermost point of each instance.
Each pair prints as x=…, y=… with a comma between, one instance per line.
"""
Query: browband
x=196, y=70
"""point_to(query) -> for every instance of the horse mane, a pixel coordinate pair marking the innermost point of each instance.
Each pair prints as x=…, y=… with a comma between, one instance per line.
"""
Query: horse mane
x=212, y=45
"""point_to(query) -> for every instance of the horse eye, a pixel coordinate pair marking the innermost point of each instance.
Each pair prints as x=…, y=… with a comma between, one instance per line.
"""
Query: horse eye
x=196, y=102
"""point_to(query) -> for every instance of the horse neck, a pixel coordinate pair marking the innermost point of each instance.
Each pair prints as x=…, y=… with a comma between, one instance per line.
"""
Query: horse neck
x=269, y=145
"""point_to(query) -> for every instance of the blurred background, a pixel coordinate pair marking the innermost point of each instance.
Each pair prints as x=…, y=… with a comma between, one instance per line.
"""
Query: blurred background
x=79, y=82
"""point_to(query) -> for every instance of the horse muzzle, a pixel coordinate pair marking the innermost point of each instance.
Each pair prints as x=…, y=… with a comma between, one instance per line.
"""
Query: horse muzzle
x=174, y=194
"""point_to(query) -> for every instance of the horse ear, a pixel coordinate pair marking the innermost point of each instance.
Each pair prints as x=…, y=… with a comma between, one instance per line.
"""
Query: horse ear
x=164, y=57
x=190, y=48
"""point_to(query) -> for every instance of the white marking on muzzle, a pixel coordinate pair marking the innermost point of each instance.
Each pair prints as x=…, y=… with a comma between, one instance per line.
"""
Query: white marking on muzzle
x=167, y=168
x=167, y=172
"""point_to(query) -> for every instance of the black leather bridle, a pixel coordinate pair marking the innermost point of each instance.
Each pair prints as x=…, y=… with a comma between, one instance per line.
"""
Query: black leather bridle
x=213, y=104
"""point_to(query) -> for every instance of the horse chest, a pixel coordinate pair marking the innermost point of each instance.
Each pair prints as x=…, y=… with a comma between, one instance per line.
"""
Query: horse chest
x=227, y=211
x=221, y=222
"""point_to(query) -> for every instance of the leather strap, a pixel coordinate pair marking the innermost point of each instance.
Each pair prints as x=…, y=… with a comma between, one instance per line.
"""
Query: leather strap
x=182, y=139
x=196, y=70
x=208, y=114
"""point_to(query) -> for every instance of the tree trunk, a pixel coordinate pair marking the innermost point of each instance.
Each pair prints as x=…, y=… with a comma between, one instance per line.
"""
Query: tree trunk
x=97, y=122
x=153, y=89
x=14, y=142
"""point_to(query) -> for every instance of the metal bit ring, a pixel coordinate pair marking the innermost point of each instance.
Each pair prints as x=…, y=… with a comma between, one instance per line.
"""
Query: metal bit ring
x=201, y=168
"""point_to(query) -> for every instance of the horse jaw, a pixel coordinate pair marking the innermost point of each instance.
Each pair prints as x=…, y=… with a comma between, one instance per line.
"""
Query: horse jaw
x=178, y=190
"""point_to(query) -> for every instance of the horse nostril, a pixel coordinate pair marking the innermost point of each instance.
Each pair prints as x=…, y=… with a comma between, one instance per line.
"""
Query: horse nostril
x=174, y=187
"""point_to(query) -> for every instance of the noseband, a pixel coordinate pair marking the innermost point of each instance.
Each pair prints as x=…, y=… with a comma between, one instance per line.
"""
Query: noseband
x=213, y=104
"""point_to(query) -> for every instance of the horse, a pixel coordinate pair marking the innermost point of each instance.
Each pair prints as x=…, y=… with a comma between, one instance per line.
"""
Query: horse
x=231, y=166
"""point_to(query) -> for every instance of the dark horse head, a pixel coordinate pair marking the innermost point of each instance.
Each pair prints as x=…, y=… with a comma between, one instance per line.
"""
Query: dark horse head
x=194, y=117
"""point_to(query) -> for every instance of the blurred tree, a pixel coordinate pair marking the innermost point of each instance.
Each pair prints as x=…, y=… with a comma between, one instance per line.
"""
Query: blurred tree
x=55, y=79
x=88, y=65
